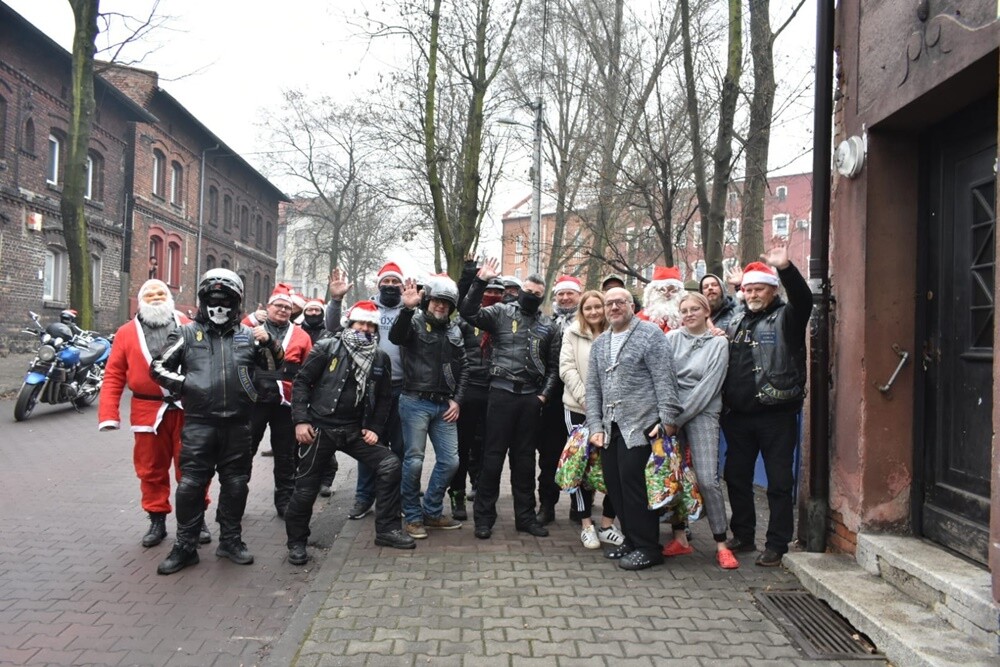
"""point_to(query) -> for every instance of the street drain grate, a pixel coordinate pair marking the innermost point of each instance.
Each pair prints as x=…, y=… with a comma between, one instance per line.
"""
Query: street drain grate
x=819, y=631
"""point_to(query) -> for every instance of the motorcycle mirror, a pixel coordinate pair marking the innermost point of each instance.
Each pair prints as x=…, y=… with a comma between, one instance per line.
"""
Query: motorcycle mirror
x=33, y=314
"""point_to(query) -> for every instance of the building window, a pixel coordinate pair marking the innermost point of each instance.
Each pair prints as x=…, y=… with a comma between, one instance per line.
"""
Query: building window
x=213, y=206
x=28, y=140
x=3, y=126
x=244, y=223
x=95, y=276
x=159, y=173
x=697, y=235
x=518, y=249
x=176, y=181
x=173, y=271
x=225, y=264
x=227, y=213
x=267, y=238
x=258, y=230
x=517, y=273
x=156, y=257
x=52, y=168
x=700, y=269
x=732, y=231
x=55, y=276
x=779, y=225
x=210, y=262
x=781, y=192
x=95, y=177
x=256, y=287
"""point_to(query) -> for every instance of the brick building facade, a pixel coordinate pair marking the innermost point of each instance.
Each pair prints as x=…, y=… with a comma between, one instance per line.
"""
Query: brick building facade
x=34, y=118
x=196, y=204
x=787, y=213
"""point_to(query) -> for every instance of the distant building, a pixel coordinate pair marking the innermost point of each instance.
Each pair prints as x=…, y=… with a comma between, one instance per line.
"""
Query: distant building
x=787, y=214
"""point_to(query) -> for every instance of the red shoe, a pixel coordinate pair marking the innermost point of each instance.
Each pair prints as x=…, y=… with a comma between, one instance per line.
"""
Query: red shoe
x=726, y=559
x=675, y=548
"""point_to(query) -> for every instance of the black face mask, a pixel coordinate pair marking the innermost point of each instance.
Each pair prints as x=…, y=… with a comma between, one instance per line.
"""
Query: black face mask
x=529, y=303
x=508, y=298
x=390, y=295
x=313, y=321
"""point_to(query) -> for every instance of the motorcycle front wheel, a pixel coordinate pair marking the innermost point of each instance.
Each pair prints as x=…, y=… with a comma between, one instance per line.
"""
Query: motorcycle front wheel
x=27, y=399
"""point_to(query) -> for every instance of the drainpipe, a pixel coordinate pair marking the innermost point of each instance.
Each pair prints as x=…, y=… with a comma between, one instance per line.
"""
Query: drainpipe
x=818, y=503
x=201, y=215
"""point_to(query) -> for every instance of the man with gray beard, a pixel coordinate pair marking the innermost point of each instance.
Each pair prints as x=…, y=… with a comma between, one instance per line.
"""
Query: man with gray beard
x=156, y=420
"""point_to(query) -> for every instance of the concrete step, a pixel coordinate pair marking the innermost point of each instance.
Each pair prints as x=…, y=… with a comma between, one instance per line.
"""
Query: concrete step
x=957, y=590
x=906, y=631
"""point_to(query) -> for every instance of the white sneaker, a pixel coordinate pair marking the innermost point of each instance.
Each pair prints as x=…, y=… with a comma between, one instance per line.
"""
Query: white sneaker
x=589, y=538
x=611, y=535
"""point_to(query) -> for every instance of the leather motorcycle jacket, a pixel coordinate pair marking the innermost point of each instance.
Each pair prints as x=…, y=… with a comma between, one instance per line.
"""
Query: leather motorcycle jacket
x=433, y=354
x=767, y=351
x=318, y=385
x=525, y=347
x=479, y=364
x=212, y=369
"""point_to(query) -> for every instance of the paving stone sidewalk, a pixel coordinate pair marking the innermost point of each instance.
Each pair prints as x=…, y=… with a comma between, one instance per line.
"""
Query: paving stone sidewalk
x=521, y=600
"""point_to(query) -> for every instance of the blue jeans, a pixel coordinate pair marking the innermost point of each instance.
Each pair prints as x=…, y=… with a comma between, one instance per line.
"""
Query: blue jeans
x=365, y=492
x=421, y=418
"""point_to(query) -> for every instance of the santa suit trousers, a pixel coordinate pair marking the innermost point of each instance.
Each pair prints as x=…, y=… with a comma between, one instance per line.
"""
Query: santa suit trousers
x=152, y=457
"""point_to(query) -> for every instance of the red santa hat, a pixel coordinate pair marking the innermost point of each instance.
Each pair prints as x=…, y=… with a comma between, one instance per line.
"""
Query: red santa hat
x=664, y=276
x=282, y=292
x=363, y=311
x=565, y=282
x=154, y=282
x=388, y=270
x=298, y=300
x=758, y=273
x=311, y=303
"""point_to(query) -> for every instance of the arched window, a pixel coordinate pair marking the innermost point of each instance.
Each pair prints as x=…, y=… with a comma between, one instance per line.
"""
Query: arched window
x=244, y=223
x=156, y=268
x=176, y=184
x=96, y=266
x=213, y=205
x=267, y=235
x=256, y=287
x=55, y=274
x=173, y=269
x=258, y=231
x=225, y=264
x=227, y=213
x=95, y=176
x=210, y=262
x=28, y=140
x=159, y=172
x=52, y=166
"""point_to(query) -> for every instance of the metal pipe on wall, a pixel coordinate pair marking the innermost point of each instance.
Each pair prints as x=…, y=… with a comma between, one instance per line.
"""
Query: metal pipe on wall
x=818, y=503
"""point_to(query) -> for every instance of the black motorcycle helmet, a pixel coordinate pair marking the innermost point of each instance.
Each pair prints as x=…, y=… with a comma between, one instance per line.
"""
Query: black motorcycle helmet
x=68, y=316
x=59, y=330
x=220, y=297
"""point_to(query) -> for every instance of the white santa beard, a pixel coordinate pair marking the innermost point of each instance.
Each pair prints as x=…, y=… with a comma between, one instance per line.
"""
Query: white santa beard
x=156, y=314
x=660, y=309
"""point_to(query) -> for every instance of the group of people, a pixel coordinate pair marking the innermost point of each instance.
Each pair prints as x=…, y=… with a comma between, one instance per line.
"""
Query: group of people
x=479, y=370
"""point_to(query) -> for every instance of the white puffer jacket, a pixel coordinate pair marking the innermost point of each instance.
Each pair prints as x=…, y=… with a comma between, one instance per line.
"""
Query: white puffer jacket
x=574, y=359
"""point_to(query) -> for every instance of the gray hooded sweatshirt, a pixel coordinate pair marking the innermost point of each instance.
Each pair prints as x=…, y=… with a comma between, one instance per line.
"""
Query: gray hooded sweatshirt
x=700, y=363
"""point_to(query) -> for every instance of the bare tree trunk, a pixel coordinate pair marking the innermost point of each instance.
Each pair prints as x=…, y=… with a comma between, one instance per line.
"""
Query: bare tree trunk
x=759, y=134
x=713, y=210
x=81, y=292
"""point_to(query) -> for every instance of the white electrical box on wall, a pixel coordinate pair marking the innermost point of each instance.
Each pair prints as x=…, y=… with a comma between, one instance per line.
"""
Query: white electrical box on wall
x=33, y=220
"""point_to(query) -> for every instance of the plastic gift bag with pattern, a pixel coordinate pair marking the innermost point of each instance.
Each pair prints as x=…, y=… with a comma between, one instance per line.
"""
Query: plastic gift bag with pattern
x=594, y=475
x=663, y=472
x=573, y=460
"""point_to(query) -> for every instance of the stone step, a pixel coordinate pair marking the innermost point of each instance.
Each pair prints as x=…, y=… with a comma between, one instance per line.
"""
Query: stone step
x=955, y=589
x=906, y=631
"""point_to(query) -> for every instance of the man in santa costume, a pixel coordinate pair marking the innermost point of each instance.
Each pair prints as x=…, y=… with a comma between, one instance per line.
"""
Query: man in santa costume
x=155, y=419
x=274, y=393
x=662, y=298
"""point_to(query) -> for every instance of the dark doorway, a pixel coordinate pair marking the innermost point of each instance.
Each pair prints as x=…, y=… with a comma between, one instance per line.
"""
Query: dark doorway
x=958, y=346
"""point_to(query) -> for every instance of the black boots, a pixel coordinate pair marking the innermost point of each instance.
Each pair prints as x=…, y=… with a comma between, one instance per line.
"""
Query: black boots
x=234, y=550
x=297, y=554
x=546, y=515
x=157, y=529
x=458, y=511
x=178, y=559
x=204, y=535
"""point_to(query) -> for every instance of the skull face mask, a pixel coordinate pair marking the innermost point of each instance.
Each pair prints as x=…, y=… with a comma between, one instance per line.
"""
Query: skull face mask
x=218, y=309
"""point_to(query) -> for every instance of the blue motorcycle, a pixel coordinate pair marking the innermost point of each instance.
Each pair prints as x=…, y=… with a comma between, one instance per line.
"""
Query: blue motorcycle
x=68, y=366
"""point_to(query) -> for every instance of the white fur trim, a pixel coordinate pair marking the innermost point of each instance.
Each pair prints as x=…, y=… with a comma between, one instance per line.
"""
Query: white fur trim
x=666, y=283
x=109, y=423
x=566, y=284
x=760, y=277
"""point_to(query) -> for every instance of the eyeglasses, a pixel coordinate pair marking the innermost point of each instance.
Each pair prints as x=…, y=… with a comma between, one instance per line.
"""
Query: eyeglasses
x=281, y=306
x=615, y=303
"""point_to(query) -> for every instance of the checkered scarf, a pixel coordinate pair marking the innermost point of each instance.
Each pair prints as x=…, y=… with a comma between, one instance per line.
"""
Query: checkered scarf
x=362, y=350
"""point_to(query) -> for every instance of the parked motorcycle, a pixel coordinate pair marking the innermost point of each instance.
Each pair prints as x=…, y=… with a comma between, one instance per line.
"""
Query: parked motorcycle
x=68, y=366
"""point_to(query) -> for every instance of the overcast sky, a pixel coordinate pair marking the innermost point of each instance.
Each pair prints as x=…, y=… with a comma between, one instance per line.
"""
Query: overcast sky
x=226, y=60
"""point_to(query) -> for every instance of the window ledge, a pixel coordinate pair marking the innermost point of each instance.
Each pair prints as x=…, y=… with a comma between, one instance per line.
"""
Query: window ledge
x=95, y=204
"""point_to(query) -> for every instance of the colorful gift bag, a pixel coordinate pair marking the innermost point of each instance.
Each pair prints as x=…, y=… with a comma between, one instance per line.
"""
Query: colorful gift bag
x=663, y=478
x=687, y=504
x=594, y=475
x=573, y=460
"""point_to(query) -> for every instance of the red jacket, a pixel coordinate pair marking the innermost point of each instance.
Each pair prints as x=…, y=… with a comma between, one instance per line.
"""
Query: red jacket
x=128, y=366
x=277, y=384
